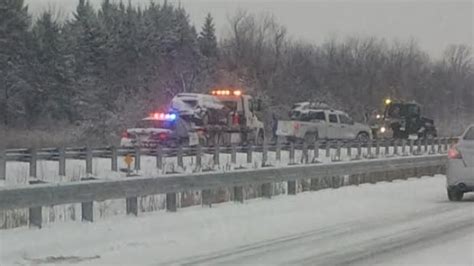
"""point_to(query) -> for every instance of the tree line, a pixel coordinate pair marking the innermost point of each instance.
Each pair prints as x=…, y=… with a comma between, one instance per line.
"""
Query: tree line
x=102, y=69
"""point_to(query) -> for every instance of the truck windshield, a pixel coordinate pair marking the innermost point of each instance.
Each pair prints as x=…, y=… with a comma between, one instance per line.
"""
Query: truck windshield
x=156, y=124
x=232, y=105
x=402, y=110
x=469, y=134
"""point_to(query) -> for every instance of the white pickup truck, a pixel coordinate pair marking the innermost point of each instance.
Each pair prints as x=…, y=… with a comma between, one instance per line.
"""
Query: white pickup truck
x=312, y=124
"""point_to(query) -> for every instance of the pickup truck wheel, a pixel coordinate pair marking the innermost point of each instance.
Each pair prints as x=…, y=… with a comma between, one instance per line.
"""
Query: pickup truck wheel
x=260, y=138
x=310, y=138
x=363, y=137
x=429, y=135
x=454, y=194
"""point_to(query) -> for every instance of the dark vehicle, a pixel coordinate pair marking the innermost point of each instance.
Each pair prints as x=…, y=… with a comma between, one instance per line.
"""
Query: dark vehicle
x=403, y=120
x=160, y=129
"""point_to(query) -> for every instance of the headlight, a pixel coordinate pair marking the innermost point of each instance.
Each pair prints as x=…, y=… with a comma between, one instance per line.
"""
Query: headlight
x=378, y=116
x=383, y=129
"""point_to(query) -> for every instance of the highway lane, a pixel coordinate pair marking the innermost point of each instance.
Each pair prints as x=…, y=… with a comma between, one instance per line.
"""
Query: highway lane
x=397, y=222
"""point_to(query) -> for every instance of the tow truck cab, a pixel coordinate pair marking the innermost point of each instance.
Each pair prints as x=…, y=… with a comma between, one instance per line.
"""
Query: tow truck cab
x=242, y=108
x=228, y=116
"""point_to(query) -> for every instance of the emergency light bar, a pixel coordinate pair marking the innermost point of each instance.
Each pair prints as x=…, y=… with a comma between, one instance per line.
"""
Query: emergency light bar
x=226, y=92
x=164, y=116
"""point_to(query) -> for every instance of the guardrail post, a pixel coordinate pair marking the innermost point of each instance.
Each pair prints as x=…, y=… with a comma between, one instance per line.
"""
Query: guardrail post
x=412, y=150
x=328, y=149
x=369, y=148
x=292, y=187
x=113, y=159
x=3, y=164
x=62, y=161
x=180, y=156
x=419, y=147
x=349, y=150
x=35, y=214
x=33, y=161
x=264, y=154
x=131, y=205
x=171, y=202
x=316, y=151
x=233, y=154
x=87, y=208
x=249, y=153
x=438, y=146
x=239, y=194
x=359, y=150
x=267, y=190
x=137, y=158
x=404, y=148
x=305, y=156
x=432, y=144
x=159, y=157
x=387, y=147
x=292, y=153
x=199, y=156
x=88, y=161
x=314, y=185
x=35, y=217
x=426, y=145
x=216, y=154
x=395, y=147
x=206, y=197
x=446, y=145
x=338, y=149
x=377, y=147
x=278, y=150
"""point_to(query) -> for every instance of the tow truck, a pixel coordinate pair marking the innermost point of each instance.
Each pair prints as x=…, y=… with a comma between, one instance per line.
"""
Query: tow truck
x=165, y=129
x=402, y=120
x=225, y=115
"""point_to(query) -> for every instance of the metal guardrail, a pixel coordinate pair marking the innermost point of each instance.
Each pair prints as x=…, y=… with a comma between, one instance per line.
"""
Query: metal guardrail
x=87, y=192
x=87, y=154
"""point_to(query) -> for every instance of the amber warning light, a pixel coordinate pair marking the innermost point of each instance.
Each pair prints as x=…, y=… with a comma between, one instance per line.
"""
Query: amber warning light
x=226, y=92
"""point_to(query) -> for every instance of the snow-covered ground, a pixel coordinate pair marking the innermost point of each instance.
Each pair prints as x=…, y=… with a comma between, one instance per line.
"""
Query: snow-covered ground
x=404, y=222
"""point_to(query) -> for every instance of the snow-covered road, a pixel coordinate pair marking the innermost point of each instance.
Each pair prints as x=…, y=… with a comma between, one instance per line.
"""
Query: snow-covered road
x=405, y=222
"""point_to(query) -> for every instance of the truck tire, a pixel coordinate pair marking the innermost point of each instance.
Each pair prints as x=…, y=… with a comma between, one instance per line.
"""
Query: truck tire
x=310, y=138
x=260, y=138
x=363, y=137
x=454, y=194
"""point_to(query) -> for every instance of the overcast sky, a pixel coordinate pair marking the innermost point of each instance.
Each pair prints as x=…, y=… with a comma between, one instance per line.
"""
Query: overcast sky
x=434, y=24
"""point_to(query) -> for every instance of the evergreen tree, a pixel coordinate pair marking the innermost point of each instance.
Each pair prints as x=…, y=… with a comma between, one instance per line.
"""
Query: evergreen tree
x=87, y=43
x=207, y=38
x=14, y=38
x=52, y=70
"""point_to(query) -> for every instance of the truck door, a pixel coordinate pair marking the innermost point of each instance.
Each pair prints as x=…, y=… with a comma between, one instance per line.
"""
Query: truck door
x=319, y=118
x=347, y=129
x=333, y=128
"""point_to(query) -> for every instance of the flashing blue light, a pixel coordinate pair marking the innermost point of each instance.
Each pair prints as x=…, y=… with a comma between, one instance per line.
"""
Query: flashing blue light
x=164, y=117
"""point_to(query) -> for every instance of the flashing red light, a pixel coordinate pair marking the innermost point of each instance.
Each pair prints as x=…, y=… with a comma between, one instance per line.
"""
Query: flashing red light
x=164, y=117
x=162, y=136
x=453, y=153
x=127, y=135
x=235, y=119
